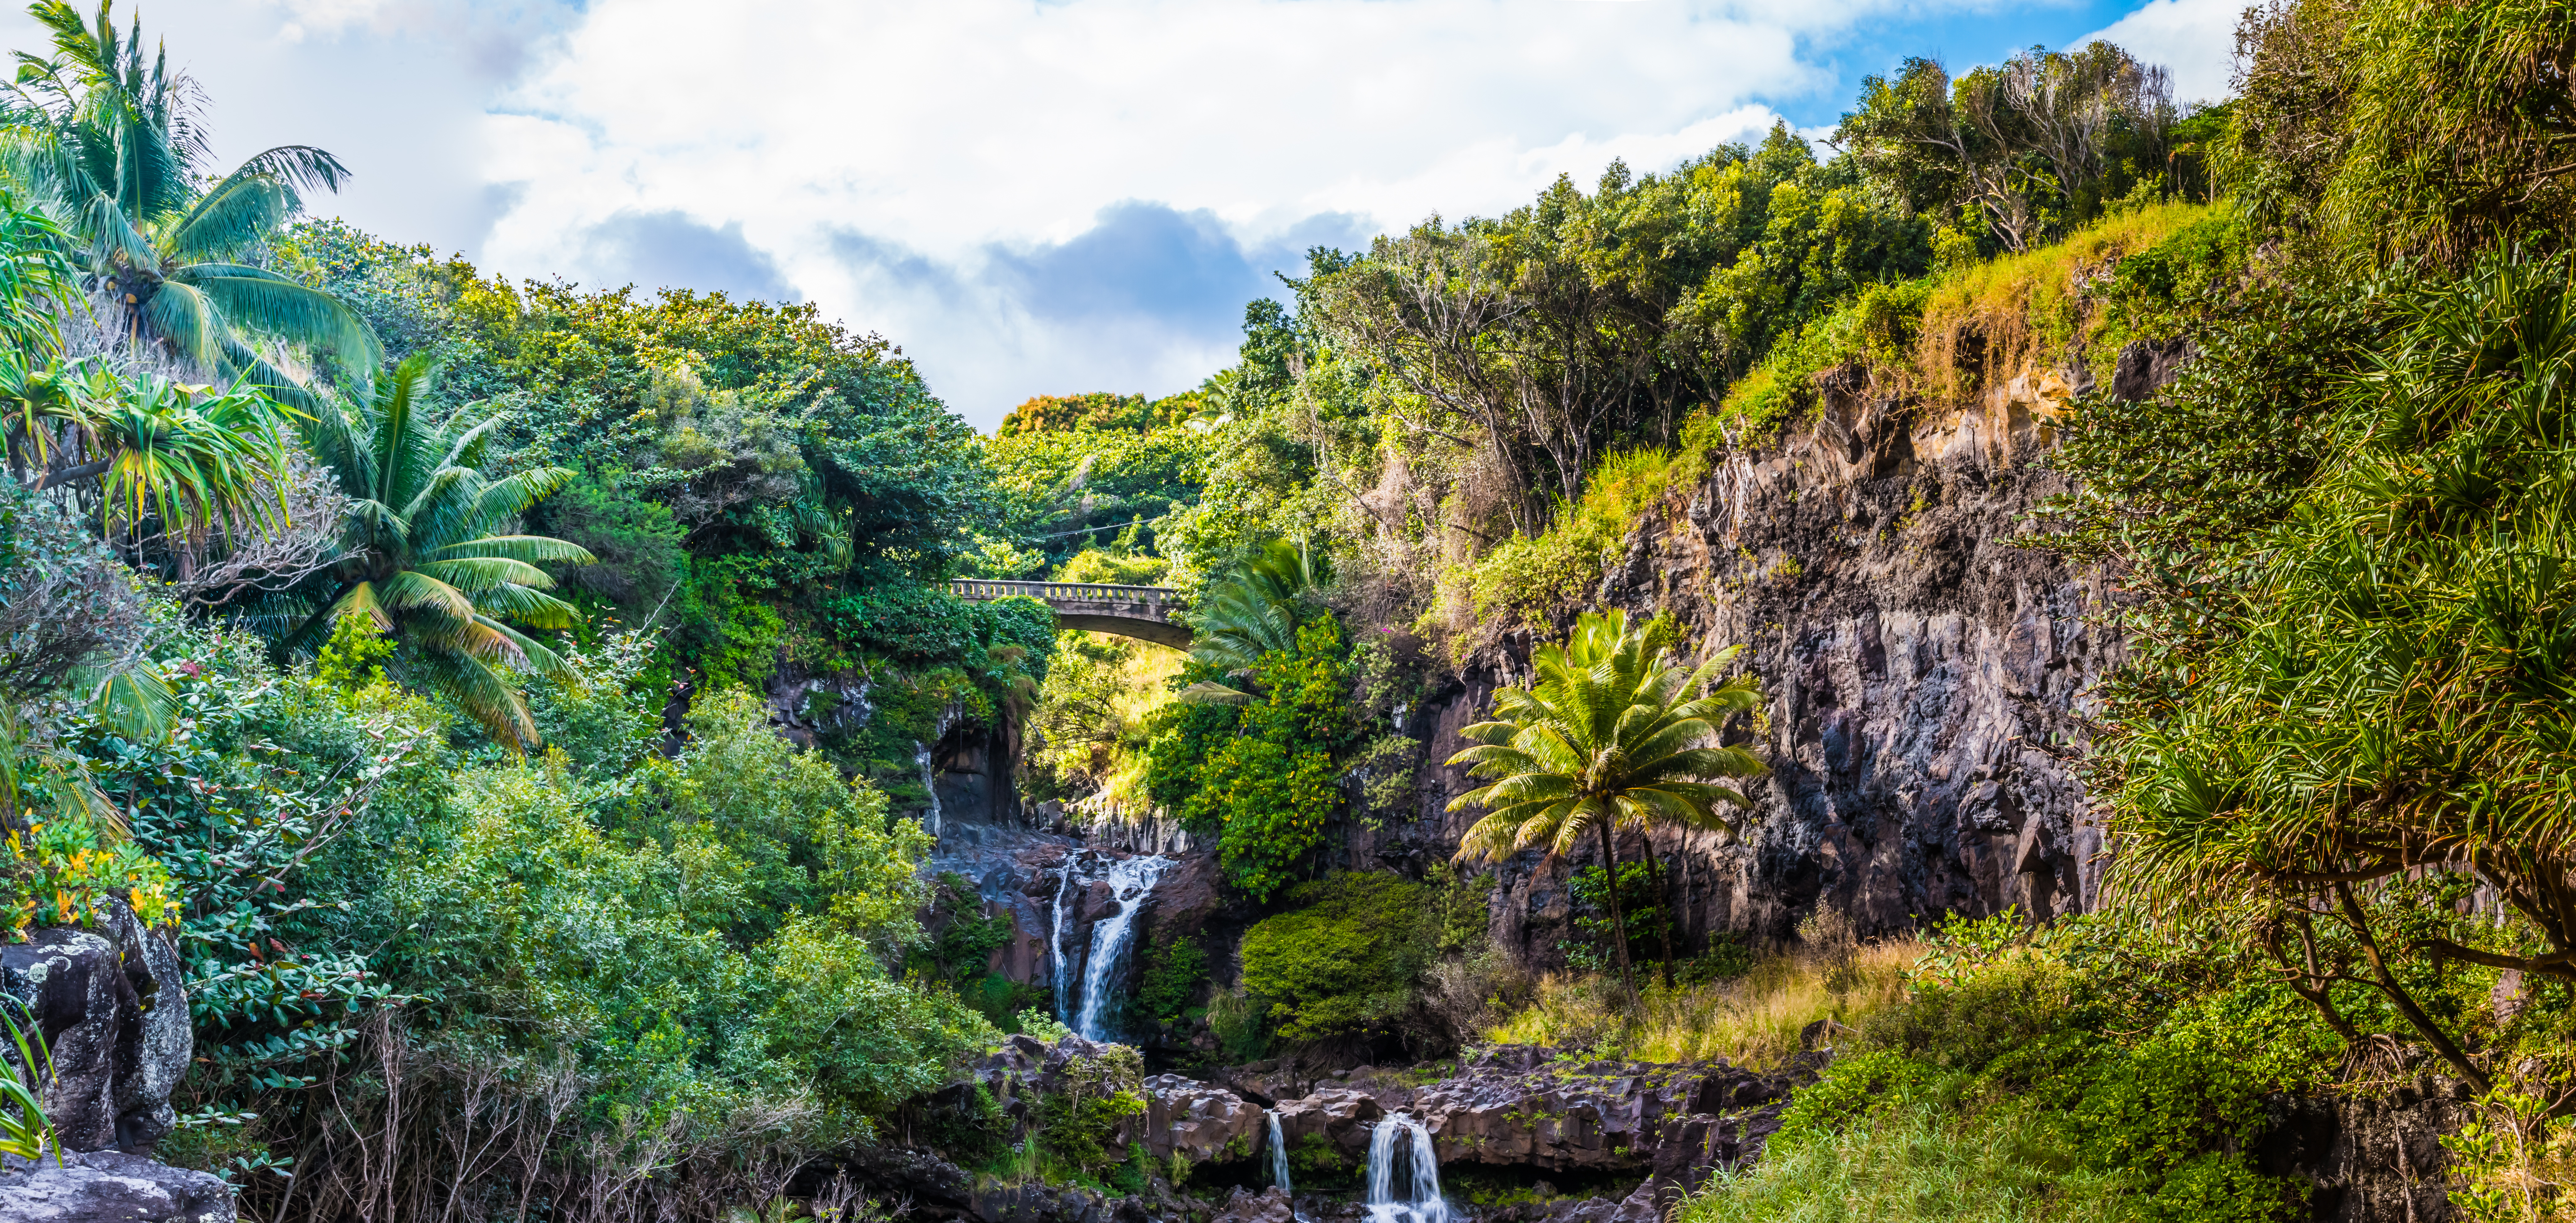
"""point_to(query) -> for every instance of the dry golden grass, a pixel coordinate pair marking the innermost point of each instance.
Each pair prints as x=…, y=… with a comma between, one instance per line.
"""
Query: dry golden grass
x=1752, y=1020
x=1989, y=321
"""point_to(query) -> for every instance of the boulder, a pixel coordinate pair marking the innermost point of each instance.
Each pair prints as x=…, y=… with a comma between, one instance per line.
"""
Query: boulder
x=1271, y=1205
x=1201, y=1123
x=109, y=1187
x=1342, y=1114
x=114, y=1011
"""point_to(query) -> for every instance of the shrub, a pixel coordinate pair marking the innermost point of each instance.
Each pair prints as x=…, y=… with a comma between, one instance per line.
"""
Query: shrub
x=1346, y=962
x=1269, y=790
x=58, y=872
x=1173, y=975
x=1074, y=1123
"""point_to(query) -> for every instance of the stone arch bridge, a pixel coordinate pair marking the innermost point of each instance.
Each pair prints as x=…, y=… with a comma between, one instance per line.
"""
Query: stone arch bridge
x=1147, y=613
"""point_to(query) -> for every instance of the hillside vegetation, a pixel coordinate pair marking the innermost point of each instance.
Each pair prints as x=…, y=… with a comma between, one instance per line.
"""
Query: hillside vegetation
x=415, y=646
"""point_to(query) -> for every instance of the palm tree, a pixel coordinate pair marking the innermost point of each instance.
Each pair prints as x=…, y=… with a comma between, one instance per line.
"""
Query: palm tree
x=192, y=456
x=114, y=147
x=420, y=558
x=1253, y=611
x=1609, y=734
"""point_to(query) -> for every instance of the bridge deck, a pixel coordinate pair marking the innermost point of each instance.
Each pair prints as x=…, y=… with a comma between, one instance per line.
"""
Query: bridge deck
x=1146, y=613
x=1086, y=592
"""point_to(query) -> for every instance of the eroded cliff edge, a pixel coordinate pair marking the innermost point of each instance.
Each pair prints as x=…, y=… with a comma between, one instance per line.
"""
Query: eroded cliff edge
x=1927, y=676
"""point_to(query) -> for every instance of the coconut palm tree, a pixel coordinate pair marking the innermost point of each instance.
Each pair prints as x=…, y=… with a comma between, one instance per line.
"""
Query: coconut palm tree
x=1608, y=734
x=421, y=558
x=1252, y=611
x=113, y=147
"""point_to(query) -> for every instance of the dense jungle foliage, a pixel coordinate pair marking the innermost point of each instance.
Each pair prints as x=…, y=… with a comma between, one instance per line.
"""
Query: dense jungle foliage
x=415, y=646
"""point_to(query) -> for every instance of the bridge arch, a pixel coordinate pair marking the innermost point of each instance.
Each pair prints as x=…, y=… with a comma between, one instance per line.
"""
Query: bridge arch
x=1146, y=613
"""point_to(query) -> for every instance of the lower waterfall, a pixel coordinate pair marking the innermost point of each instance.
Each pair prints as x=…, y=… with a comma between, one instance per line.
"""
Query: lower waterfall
x=1278, y=1154
x=1421, y=1202
x=1055, y=949
x=1129, y=880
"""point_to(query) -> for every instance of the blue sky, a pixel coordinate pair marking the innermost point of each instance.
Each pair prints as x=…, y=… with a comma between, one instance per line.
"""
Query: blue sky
x=1035, y=197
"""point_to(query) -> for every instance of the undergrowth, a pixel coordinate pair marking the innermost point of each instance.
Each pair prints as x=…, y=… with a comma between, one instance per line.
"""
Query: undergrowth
x=1752, y=1020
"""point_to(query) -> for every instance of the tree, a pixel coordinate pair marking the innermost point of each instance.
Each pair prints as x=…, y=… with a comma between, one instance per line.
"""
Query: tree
x=114, y=147
x=190, y=457
x=1252, y=613
x=2338, y=726
x=419, y=554
x=1609, y=734
x=2032, y=146
x=2402, y=131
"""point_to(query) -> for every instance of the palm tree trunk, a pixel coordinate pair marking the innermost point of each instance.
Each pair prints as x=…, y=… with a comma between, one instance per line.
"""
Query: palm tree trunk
x=1618, y=921
x=1663, y=901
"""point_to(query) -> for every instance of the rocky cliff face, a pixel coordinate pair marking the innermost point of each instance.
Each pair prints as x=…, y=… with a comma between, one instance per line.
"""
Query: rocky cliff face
x=1926, y=676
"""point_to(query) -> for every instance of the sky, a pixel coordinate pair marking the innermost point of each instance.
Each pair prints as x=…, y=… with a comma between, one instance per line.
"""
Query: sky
x=1037, y=196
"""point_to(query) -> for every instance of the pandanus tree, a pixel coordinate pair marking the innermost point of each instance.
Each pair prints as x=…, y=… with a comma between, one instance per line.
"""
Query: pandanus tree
x=2365, y=712
x=1612, y=731
x=421, y=556
x=111, y=143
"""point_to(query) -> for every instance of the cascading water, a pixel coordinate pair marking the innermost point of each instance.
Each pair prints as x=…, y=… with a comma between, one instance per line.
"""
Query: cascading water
x=1421, y=1202
x=1278, y=1154
x=1129, y=880
x=1063, y=917
x=930, y=782
x=929, y=776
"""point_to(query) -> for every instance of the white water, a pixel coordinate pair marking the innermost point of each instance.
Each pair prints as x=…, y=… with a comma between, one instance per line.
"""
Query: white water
x=1278, y=1154
x=930, y=782
x=1129, y=880
x=930, y=776
x=1063, y=915
x=1421, y=1202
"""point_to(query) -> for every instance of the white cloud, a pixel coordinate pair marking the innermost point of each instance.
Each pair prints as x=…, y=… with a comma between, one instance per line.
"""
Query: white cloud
x=2194, y=39
x=1029, y=195
x=946, y=136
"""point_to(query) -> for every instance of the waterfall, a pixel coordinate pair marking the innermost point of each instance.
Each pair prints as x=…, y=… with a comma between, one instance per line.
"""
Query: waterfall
x=930, y=776
x=1422, y=1202
x=1063, y=917
x=1129, y=880
x=1278, y=1153
x=930, y=782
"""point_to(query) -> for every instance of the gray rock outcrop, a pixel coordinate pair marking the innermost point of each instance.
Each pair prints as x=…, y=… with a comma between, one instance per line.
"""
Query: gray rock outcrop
x=113, y=1008
x=109, y=1187
x=1927, y=676
x=1670, y=1126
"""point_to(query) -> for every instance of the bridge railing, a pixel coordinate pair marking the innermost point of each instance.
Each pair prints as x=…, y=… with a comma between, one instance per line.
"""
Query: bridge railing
x=1081, y=592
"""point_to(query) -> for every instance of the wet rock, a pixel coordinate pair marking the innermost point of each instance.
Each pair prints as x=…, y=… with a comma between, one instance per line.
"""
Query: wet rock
x=109, y=1187
x=1037, y=1203
x=1201, y=1123
x=114, y=1011
x=1670, y=1126
x=1271, y=1205
x=1339, y=1113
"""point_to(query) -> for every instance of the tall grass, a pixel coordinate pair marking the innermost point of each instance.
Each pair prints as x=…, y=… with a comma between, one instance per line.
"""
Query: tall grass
x=1943, y=337
x=1923, y=1160
x=1985, y=323
x=1754, y=1020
